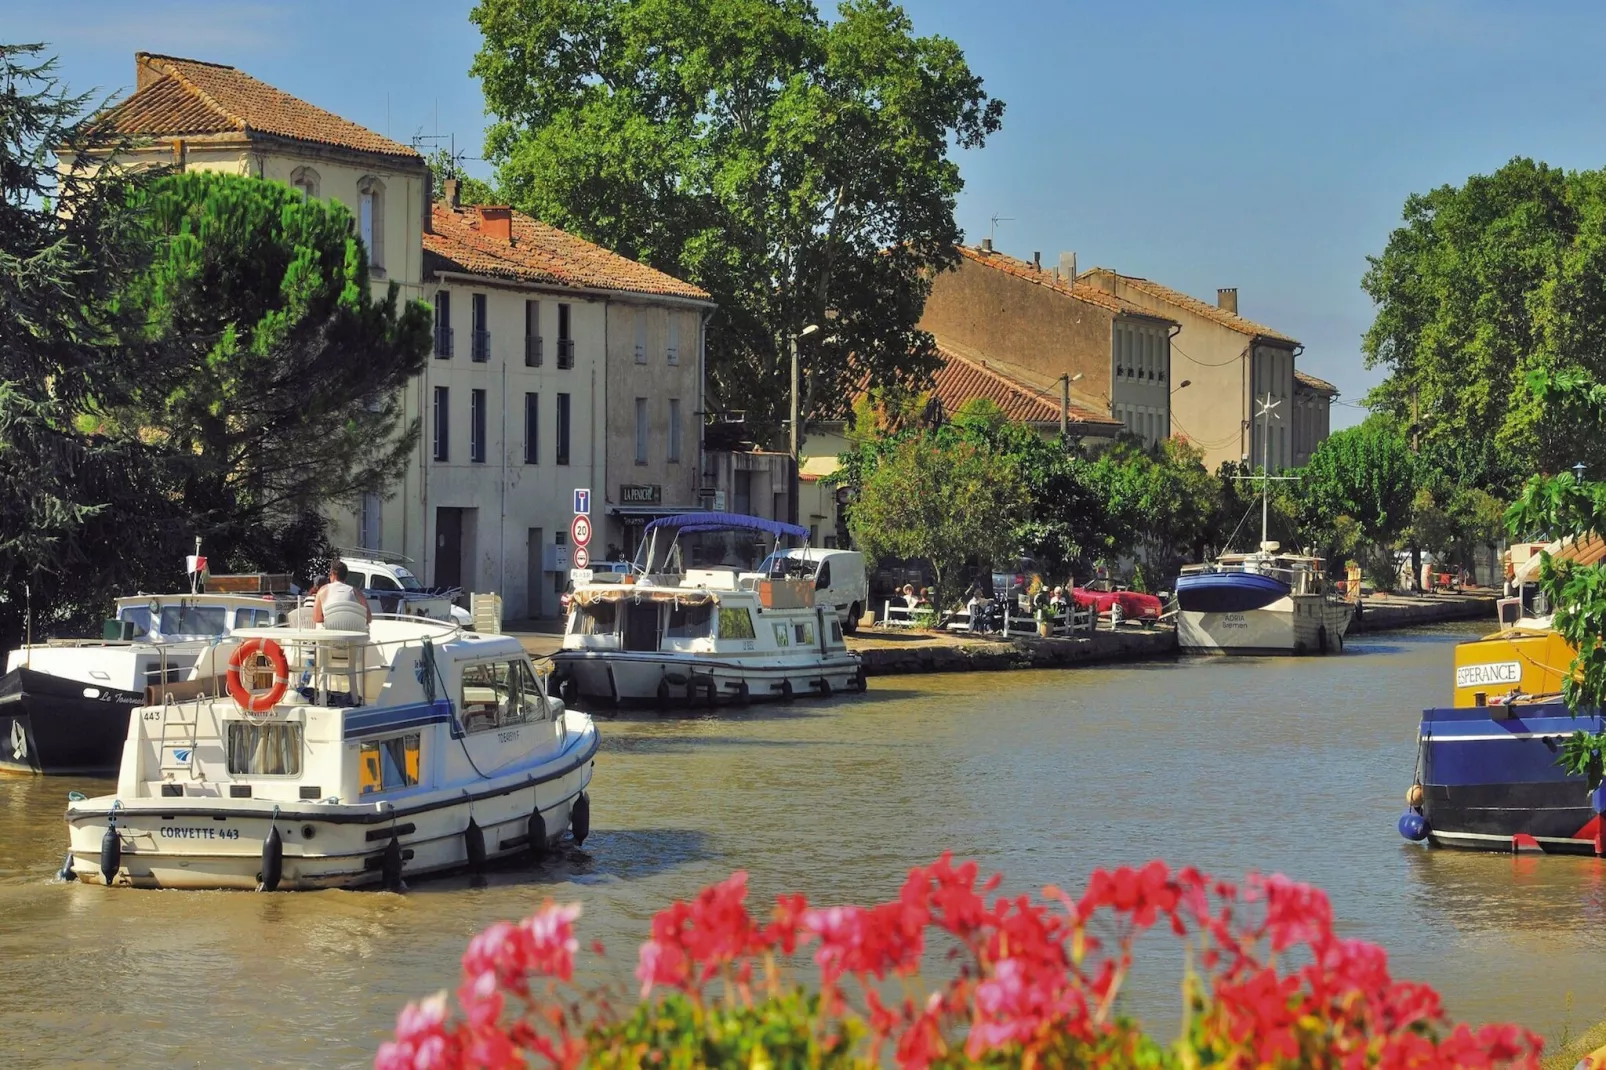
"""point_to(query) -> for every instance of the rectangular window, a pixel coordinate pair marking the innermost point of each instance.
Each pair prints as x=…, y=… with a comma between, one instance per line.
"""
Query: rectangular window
x=735, y=623
x=641, y=337
x=482, y=331
x=387, y=764
x=443, y=324
x=674, y=429
x=674, y=339
x=443, y=423
x=476, y=426
x=500, y=694
x=365, y=221
x=532, y=428
x=565, y=342
x=368, y=522
x=263, y=749
x=641, y=430
x=532, y=334
x=744, y=491
x=562, y=456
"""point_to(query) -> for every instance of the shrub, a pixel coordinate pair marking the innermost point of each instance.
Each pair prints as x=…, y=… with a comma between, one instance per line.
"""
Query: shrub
x=1032, y=982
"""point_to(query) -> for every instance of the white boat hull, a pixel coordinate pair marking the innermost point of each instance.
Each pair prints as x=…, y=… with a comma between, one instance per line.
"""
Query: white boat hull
x=1296, y=624
x=181, y=843
x=626, y=676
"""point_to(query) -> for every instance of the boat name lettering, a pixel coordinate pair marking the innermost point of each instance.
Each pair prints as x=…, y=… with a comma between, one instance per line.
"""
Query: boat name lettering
x=1233, y=620
x=1493, y=672
x=192, y=832
x=507, y=737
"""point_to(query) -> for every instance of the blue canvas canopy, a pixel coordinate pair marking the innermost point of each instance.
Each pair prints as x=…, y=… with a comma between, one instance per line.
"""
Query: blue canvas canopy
x=728, y=522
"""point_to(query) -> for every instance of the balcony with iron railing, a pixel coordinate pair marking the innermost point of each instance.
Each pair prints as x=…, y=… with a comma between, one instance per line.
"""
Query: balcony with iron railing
x=443, y=342
x=481, y=346
x=532, y=351
x=565, y=352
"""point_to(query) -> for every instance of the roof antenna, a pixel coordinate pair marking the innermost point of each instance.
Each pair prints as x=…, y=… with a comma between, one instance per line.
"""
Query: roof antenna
x=993, y=230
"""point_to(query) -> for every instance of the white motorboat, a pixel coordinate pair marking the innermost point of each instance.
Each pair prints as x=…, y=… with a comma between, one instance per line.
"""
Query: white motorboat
x=369, y=756
x=64, y=703
x=668, y=632
x=1266, y=602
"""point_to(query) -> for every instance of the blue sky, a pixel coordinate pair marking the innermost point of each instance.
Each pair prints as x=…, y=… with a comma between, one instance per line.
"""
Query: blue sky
x=1267, y=146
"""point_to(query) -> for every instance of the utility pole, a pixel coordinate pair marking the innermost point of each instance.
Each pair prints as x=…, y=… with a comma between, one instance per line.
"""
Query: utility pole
x=1065, y=405
x=792, y=480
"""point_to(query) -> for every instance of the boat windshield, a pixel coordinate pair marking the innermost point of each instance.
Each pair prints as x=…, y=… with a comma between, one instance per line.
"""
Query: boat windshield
x=178, y=619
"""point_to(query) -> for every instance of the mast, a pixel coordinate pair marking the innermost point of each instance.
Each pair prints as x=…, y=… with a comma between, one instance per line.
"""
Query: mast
x=1265, y=466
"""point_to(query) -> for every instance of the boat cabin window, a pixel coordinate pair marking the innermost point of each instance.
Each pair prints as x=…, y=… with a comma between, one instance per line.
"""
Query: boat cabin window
x=735, y=623
x=690, y=622
x=386, y=764
x=500, y=693
x=253, y=618
x=596, y=618
x=194, y=620
x=836, y=633
x=263, y=749
x=138, y=616
x=803, y=633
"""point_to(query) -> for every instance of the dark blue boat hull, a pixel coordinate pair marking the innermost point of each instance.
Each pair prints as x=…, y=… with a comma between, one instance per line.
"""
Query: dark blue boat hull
x=1227, y=592
x=1488, y=780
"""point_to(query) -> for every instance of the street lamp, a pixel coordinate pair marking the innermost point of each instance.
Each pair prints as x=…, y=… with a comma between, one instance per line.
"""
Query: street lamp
x=1578, y=472
x=809, y=331
x=1065, y=400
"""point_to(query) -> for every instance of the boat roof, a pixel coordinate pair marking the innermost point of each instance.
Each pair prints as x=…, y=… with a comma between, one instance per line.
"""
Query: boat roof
x=700, y=522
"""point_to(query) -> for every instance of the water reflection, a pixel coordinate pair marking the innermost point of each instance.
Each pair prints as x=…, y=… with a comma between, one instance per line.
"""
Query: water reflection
x=1283, y=765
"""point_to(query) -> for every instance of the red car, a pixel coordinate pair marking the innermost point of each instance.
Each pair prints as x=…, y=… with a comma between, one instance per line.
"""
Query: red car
x=1135, y=605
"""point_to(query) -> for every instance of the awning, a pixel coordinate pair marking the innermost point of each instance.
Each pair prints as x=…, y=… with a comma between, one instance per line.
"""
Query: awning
x=636, y=515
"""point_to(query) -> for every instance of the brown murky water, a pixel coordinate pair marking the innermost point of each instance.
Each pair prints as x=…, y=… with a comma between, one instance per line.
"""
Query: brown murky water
x=1297, y=766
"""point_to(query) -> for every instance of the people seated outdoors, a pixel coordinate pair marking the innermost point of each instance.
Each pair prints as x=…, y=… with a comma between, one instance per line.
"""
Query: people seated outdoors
x=338, y=605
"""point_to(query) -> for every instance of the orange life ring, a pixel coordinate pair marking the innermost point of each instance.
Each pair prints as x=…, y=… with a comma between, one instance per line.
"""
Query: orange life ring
x=250, y=700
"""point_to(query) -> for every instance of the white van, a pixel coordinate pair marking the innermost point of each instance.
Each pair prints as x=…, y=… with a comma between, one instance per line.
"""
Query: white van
x=389, y=583
x=838, y=575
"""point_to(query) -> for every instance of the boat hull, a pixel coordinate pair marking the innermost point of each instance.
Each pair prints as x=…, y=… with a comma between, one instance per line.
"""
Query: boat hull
x=631, y=677
x=1292, y=624
x=214, y=843
x=58, y=727
x=1492, y=783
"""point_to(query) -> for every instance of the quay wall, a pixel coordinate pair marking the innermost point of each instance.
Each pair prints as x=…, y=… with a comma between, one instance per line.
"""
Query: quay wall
x=1406, y=611
x=894, y=658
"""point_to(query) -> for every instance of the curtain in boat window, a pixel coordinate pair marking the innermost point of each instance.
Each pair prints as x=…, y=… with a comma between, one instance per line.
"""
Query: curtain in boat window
x=264, y=749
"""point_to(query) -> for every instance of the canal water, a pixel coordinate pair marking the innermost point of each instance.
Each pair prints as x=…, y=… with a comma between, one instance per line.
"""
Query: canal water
x=1297, y=766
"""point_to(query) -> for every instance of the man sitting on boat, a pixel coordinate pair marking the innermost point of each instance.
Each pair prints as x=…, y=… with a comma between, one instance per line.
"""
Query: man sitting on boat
x=338, y=603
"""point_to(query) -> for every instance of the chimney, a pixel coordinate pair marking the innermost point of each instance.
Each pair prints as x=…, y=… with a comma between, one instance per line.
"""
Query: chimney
x=986, y=245
x=1227, y=299
x=145, y=71
x=1037, y=261
x=496, y=222
x=451, y=186
x=1068, y=266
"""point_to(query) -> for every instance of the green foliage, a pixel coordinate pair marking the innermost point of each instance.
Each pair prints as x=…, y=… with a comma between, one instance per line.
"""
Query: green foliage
x=68, y=486
x=1235, y=525
x=470, y=190
x=1367, y=474
x=938, y=497
x=278, y=391
x=1162, y=499
x=788, y=163
x=787, y=1030
x=1483, y=284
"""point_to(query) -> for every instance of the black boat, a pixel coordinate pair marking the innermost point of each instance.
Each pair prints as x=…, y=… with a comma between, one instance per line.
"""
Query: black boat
x=62, y=727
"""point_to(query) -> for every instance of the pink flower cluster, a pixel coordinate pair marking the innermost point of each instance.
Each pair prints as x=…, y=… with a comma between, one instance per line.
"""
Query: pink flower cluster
x=1032, y=978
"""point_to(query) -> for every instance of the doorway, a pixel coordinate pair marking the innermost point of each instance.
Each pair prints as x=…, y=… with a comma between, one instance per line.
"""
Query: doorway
x=448, y=547
x=641, y=625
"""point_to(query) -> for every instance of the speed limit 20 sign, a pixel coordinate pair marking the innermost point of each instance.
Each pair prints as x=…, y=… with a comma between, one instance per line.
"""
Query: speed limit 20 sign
x=580, y=529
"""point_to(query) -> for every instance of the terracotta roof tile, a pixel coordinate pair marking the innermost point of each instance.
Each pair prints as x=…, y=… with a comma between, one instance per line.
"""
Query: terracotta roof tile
x=186, y=96
x=1193, y=305
x=1310, y=382
x=1048, y=279
x=540, y=253
x=961, y=379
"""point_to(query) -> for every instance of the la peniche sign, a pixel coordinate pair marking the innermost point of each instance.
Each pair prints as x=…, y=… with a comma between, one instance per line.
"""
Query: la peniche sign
x=640, y=494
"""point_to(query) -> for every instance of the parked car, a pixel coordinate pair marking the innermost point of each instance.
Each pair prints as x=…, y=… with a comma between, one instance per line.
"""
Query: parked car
x=839, y=578
x=1012, y=578
x=1135, y=606
x=389, y=583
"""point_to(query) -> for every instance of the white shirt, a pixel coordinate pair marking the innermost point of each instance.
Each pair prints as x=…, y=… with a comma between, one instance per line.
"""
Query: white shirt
x=335, y=591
